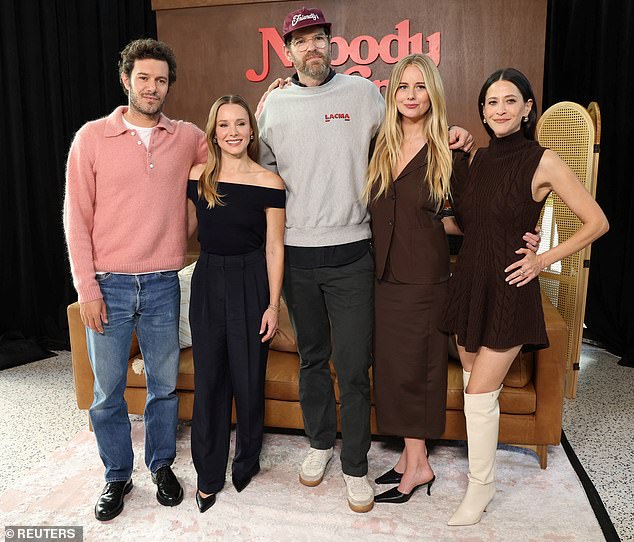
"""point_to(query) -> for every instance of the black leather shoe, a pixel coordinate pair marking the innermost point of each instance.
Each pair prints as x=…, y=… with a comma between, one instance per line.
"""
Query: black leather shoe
x=110, y=503
x=241, y=483
x=394, y=496
x=389, y=477
x=205, y=503
x=168, y=490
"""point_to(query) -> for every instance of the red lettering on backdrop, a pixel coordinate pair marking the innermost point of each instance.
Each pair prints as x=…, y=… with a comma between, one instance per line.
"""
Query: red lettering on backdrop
x=343, y=51
x=405, y=45
x=269, y=36
x=433, y=42
x=355, y=50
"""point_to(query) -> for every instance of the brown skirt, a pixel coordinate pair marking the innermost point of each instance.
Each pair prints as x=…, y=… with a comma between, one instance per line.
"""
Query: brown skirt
x=410, y=359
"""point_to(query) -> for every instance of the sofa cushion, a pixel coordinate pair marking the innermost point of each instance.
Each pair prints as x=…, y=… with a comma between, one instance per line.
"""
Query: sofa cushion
x=518, y=400
x=455, y=399
x=185, y=282
x=513, y=400
x=284, y=340
x=134, y=345
x=282, y=376
x=520, y=373
x=185, y=381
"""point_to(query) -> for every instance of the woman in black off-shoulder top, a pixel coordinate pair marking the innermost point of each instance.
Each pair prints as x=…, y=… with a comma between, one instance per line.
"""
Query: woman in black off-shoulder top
x=235, y=295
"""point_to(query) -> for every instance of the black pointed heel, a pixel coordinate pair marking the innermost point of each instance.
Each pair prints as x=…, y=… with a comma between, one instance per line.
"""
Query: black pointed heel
x=205, y=503
x=390, y=477
x=394, y=496
x=240, y=483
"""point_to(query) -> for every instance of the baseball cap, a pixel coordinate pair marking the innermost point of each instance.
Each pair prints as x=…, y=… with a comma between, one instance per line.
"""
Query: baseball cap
x=303, y=18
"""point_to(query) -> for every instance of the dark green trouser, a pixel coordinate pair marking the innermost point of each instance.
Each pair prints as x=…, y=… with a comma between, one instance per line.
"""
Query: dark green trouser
x=338, y=300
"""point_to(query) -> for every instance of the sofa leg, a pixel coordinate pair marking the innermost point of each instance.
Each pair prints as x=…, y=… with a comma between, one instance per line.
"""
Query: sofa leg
x=540, y=449
x=542, y=453
x=89, y=424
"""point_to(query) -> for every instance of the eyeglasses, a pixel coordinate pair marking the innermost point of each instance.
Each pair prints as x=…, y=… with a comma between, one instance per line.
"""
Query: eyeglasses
x=301, y=44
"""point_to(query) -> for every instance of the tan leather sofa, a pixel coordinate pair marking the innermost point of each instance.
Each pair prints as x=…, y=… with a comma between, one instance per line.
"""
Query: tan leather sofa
x=530, y=403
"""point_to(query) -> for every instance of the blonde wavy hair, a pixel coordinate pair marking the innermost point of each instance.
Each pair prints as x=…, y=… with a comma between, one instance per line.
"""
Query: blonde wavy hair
x=208, y=182
x=388, y=143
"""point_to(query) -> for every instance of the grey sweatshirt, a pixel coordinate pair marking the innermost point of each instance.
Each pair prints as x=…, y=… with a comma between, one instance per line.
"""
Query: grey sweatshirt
x=318, y=139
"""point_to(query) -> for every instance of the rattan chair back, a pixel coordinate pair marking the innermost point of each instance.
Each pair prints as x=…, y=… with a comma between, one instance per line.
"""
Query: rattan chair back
x=569, y=130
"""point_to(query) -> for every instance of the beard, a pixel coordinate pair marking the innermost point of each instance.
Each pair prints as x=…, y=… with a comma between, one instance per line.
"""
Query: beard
x=314, y=70
x=137, y=103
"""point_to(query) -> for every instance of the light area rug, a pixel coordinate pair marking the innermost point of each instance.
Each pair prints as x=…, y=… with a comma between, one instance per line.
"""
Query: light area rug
x=531, y=504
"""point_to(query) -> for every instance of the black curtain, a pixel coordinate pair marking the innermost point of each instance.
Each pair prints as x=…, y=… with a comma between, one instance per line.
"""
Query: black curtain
x=58, y=66
x=590, y=57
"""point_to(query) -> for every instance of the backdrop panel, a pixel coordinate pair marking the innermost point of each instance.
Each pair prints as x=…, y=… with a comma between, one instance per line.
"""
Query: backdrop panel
x=217, y=45
x=237, y=49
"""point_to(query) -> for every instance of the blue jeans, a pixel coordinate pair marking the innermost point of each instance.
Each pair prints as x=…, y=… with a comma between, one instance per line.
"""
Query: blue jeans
x=149, y=304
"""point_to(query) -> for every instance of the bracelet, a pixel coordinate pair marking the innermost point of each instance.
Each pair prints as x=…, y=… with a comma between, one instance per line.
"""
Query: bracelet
x=274, y=307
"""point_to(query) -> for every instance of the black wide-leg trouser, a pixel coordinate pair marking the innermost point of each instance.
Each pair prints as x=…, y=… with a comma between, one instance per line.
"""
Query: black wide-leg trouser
x=229, y=295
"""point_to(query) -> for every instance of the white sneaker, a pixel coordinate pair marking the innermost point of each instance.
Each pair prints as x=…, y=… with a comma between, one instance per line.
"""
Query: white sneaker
x=314, y=466
x=360, y=493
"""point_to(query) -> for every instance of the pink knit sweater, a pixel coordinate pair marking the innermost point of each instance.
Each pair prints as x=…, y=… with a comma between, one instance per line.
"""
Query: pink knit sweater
x=125, y=206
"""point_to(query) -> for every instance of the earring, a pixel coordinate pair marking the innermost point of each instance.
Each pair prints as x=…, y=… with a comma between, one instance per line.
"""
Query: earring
x=484, y=121
x=251, y=137
x=526, y=118
x=214, y=139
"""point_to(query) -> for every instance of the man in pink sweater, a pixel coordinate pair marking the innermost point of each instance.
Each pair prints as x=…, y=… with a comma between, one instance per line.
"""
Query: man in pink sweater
x=125, y=224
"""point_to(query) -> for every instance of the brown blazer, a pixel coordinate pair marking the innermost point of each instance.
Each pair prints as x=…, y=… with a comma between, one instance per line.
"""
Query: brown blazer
x=407, y=230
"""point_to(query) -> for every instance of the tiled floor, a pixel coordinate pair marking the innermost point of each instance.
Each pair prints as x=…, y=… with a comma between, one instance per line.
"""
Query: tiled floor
x=39, y=414
x=599, y=424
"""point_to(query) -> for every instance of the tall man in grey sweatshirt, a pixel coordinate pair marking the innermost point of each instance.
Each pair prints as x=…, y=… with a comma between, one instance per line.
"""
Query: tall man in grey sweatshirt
x=316, y=134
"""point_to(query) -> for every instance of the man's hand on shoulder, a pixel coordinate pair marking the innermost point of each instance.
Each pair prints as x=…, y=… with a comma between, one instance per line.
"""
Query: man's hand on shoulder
x=459, y=138
x=278, y=83
x=93, y=314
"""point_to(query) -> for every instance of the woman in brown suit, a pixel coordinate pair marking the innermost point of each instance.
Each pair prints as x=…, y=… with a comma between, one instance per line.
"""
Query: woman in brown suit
x=408, y=181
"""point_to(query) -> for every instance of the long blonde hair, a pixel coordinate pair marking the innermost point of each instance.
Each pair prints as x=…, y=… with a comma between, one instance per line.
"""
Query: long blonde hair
x=208, y=182
x=388, y=143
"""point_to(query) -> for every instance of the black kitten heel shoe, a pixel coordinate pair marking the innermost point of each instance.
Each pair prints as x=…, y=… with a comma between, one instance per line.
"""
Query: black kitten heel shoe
x=205, y=503
x=394, y=496
x=390, y=477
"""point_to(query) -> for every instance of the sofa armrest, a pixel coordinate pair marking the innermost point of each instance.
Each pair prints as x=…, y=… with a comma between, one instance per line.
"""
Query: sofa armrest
x=549, y=377
x=82, y=372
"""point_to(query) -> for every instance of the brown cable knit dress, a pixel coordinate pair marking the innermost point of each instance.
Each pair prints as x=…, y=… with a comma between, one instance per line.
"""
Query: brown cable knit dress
x=494, y=208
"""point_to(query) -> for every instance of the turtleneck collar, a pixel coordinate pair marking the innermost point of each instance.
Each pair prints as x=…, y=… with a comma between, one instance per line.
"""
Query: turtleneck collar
x=511, y=142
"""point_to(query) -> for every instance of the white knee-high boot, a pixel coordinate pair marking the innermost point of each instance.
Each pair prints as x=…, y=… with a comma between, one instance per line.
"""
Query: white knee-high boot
x=482, y=412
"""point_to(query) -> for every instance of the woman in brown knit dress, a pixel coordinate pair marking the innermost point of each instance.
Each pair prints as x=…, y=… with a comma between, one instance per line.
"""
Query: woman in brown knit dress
x=494, y=304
